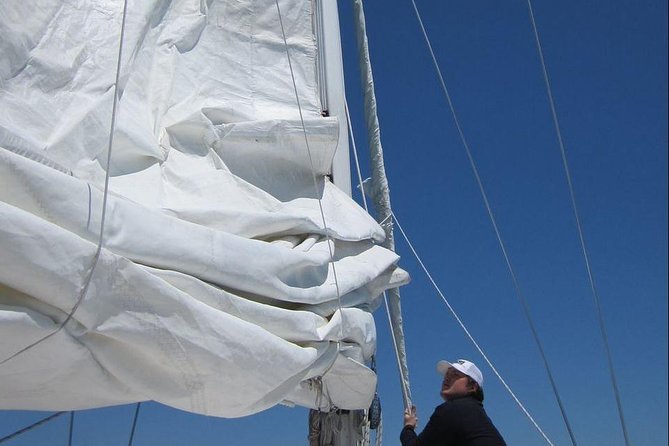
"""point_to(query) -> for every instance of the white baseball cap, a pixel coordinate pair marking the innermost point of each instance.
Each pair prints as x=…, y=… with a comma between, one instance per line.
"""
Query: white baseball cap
x=464, y=366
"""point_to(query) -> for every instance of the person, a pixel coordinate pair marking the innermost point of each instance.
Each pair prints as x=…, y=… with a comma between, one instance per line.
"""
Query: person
x=461, y=419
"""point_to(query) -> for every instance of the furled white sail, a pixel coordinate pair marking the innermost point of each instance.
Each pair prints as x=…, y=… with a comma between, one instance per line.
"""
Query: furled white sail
x=214, y=291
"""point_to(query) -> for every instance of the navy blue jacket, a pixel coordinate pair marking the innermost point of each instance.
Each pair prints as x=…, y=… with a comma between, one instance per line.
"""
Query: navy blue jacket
x=459, y=422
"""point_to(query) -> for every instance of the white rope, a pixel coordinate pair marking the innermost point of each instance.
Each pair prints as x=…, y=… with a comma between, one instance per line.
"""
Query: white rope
x=502, y=246
x=330, y=242
x=464, y=328
x=96, y=257
x=581, y=237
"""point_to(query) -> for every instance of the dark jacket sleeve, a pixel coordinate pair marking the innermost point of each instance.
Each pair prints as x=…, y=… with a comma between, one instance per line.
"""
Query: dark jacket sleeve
x=438, y=431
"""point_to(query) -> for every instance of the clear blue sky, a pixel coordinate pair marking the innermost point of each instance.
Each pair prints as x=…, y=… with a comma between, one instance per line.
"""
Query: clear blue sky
x=608, y=65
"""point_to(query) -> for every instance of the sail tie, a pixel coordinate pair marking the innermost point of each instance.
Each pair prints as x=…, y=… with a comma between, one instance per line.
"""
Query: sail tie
x=581, y=237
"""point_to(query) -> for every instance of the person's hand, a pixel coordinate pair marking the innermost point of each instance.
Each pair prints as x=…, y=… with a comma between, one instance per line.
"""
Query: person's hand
x=410, y=417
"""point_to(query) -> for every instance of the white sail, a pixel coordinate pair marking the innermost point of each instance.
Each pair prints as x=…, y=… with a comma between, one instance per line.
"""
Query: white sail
x=214, y=291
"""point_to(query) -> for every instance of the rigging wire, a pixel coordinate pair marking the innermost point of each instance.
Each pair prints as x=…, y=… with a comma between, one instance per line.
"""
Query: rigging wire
x=71, y=429
x=469, y=335
x=519, y=293
x=30, y=427
x=329, y=240
x=134, y=424
x=572, y=195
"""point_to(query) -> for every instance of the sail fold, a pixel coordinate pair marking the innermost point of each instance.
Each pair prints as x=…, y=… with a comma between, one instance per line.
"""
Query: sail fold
x=214, y=290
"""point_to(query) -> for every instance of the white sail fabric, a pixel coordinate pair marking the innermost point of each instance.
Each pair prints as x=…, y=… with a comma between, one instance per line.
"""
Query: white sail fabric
x=214, y=291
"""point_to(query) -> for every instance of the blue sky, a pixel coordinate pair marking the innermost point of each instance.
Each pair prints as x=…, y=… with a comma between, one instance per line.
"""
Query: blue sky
x=608, y=66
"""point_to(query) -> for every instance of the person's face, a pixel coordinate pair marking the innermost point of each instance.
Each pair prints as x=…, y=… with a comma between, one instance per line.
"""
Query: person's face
x=455, y=385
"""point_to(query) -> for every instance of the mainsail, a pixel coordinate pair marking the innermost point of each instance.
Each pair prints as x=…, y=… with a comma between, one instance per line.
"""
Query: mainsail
x=232, y=275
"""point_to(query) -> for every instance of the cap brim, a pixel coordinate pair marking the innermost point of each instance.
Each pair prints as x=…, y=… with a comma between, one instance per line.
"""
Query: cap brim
x=443, y=366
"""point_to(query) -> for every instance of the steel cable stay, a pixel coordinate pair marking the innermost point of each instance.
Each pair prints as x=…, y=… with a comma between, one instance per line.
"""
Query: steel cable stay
x=579, y=226
x=32, y=426
x=71, y=429
x=502, y=246
x=134, y=423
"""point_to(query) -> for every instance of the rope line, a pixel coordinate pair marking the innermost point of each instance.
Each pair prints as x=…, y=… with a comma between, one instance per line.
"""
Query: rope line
x=134, y=424
x=32, y=426
x=502, y=246
x=71, y=429
x=469, y=335
x=330, y=242
x=572, y=196
x=96, y=257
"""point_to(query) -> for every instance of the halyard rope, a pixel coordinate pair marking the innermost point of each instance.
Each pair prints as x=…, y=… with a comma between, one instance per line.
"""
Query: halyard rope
x=32, y=426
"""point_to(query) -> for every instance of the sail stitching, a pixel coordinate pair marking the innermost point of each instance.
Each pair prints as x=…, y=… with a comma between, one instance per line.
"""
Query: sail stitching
x=572, y=195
